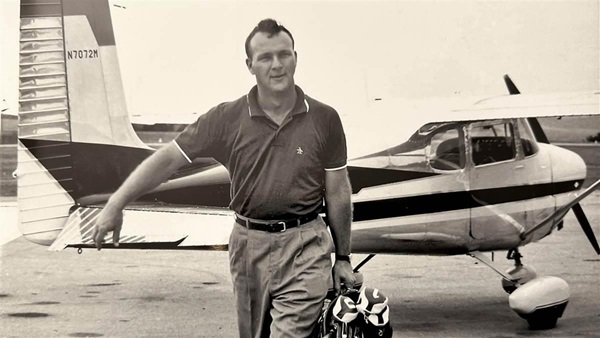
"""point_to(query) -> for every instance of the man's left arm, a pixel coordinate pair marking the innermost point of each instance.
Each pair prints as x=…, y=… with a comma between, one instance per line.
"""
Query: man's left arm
x=339, y=213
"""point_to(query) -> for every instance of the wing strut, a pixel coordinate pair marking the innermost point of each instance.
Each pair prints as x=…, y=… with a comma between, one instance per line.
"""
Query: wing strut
x=363, y=262
x=585, y=224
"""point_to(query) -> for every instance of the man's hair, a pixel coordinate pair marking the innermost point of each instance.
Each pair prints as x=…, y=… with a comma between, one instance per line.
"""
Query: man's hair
x=270, y=27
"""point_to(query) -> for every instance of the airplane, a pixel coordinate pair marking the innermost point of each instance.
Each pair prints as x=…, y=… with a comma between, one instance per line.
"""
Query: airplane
x=483, y=179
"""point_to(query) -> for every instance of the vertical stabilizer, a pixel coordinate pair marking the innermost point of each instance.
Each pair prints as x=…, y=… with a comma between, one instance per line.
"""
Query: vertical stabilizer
x=70, y=82
x=70, y=94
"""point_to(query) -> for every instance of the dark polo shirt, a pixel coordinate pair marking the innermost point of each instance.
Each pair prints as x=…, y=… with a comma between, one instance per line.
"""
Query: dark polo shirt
x=276, y=172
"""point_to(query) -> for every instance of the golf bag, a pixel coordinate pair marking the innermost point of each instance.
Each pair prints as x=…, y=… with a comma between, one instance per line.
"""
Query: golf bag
x=360, y=313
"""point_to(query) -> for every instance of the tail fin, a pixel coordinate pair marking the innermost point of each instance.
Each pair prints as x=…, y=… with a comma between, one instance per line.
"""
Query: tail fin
x=71, y=107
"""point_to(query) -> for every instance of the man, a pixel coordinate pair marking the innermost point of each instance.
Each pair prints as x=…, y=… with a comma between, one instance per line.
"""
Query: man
x=285, y=152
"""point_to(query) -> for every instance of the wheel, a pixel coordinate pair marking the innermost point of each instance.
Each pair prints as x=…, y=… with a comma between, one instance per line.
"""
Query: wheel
x=508, y=286
x=540, y=301
x=520, y=274
x=542, y=323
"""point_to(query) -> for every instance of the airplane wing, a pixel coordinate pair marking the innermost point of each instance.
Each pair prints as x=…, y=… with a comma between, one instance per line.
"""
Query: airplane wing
x=504, y=106
x=393, y=121
x=532, y=105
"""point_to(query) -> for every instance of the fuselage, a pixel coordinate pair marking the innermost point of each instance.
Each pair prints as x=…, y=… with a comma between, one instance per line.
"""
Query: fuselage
x=468, y=186
x=450, y=189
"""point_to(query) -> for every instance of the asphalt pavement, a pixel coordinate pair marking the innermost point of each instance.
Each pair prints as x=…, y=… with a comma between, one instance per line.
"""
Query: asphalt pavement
x=128, y=293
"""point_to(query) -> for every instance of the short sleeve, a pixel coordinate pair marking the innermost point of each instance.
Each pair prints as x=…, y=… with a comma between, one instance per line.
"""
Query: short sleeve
x=203, y=137
x=336, y=154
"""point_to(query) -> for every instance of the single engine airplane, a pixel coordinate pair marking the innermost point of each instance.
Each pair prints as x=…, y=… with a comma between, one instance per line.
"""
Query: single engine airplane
x=482, y=179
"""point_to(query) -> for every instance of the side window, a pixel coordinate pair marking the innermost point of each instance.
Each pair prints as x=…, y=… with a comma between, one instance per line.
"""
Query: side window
x=446, y=152
x=528, y=142
x=412, y=159
x=435, y=146
x=492, y=143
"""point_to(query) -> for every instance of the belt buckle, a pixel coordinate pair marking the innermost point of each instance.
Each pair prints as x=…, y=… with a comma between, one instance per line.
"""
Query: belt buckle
x=284, y=225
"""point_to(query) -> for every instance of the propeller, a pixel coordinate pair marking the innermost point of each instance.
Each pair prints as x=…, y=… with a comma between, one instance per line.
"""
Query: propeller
x=586, y=227
x=512, y=89
x=540, y=136
x=538, y=132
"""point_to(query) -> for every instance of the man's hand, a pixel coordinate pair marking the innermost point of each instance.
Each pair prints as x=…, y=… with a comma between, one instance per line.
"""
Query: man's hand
x=342, y=272
x=109, y=219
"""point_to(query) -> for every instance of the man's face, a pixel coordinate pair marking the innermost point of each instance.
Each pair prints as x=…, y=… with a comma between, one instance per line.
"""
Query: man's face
x=273, y=61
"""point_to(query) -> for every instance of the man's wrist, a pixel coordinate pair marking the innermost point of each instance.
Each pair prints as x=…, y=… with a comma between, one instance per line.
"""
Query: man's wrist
x=116, y=202
x=113, y=206
x=343, y=258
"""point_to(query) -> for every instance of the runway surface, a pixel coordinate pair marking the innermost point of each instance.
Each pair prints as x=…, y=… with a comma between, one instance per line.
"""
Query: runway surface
x=188, y=294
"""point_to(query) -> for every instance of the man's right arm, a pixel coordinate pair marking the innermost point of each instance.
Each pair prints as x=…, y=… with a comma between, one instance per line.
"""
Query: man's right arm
x=148, y=175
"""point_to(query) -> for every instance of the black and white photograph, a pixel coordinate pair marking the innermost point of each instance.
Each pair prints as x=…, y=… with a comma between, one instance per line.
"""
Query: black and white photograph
x=299, y=168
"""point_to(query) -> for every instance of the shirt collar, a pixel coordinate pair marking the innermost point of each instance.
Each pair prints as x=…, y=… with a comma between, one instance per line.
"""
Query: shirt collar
x=254, y=109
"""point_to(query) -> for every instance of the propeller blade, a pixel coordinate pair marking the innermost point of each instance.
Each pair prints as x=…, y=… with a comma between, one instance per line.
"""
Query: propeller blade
x=512, y=89
x=585, y=225
x=538, y=132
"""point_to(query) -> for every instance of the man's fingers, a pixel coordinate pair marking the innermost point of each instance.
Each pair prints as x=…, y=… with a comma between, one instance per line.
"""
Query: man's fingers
x=95, y=233
x=349, y=284
x=336, y=284
x=107, y=221
x=116, y=236
x=99, y=238
x=351, y=280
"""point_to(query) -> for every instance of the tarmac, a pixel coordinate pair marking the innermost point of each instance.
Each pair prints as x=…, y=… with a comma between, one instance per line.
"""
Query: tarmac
x=128, y=293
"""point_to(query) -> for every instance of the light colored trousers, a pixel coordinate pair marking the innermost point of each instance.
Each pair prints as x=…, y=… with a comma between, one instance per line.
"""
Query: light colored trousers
x=280, y=280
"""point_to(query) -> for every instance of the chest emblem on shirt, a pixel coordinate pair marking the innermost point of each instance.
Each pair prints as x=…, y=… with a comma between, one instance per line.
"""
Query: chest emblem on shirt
x=299, y=151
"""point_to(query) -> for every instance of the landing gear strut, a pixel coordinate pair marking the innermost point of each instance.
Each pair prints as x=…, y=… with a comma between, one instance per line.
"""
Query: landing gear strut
x=519, y=274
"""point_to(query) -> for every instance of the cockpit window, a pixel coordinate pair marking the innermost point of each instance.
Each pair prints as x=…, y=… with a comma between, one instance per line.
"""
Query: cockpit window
x=433, y=147
x=528, y=142
x=492, y=143
x=446, y=151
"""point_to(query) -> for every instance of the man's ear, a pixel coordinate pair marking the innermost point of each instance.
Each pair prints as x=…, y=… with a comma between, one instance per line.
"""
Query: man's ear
x=249, y=65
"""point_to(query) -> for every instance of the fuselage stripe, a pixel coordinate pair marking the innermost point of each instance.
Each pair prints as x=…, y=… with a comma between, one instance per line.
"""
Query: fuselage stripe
x=450, y=201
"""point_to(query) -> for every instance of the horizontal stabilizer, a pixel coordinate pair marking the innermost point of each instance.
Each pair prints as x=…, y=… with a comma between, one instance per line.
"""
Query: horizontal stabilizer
x=151, y=227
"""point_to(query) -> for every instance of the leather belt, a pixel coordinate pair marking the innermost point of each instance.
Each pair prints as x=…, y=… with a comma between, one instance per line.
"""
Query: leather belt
x=275, y=226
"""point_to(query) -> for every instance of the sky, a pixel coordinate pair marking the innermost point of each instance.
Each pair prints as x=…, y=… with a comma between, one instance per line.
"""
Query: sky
x=179, y=57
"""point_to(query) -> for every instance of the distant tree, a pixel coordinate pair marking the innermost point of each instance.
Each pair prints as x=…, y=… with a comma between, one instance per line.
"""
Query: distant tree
x=593, y=138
